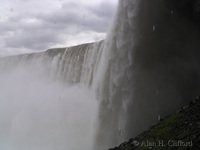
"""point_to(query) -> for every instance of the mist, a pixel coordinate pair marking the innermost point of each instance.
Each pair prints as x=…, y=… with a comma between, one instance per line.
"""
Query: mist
x=37, y=112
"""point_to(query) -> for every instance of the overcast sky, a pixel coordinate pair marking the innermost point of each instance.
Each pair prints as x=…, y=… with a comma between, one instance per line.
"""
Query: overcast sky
x=41, y=24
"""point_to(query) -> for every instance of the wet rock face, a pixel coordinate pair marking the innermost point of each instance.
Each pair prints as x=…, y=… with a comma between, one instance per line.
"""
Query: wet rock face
x=188, y=8
x=180, y=130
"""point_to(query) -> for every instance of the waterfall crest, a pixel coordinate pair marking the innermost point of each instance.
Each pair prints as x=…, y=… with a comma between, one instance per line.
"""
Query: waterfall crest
x=71, y=65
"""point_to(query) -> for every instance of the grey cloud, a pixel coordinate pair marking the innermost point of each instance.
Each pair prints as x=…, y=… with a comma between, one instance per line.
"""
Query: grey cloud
x=105, y=9
x=36, y=36
x=87, y=18
x=52, y=27
x=18, y=33
x=5, y=27
x=36, y=41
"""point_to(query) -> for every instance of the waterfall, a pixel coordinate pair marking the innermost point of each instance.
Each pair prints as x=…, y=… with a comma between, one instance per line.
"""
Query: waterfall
x=94, y=96
x=149, y=66
x=115, y=89
x=69, y=65
x=46, y=100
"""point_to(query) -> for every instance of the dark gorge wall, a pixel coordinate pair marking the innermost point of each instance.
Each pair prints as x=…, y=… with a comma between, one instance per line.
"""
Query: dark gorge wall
x=166, y=61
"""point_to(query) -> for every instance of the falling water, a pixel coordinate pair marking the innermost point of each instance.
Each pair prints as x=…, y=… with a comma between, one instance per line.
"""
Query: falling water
x=94, y=96
x=148, y=67
x=46, y=101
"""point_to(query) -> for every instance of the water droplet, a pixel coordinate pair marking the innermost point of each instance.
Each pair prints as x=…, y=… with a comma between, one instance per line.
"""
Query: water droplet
x=154, y=28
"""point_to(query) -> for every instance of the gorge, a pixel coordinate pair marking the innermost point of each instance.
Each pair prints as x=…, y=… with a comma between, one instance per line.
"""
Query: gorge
x=95, y=96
